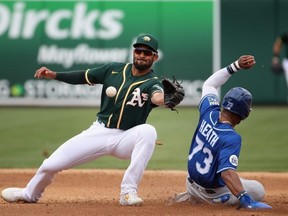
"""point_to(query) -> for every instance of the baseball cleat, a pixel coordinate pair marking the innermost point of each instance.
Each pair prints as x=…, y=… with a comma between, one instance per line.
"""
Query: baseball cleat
x=181, y=197
x=12, y=194
x=130, y=199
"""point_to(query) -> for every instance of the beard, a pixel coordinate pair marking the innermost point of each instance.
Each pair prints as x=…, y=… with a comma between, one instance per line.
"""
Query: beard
x=144, y=66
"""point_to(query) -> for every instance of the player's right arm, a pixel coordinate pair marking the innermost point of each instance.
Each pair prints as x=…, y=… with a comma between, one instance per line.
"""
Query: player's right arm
x=44, y=72
x=71, y=77
x=233, y=182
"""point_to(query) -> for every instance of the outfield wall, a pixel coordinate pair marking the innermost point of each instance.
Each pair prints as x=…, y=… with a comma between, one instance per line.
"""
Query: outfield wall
x=250, y=27
x=70, y=35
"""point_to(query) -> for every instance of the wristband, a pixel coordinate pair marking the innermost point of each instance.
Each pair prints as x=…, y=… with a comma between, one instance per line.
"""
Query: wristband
x=233, y=68
x=241, y=194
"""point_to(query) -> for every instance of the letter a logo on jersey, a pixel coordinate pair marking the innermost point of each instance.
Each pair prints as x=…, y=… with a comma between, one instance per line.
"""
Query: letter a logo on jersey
x=137, y=99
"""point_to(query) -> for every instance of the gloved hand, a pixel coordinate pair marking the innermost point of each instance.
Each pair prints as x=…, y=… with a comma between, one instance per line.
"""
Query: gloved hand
x=248, y=203
x=173, y=92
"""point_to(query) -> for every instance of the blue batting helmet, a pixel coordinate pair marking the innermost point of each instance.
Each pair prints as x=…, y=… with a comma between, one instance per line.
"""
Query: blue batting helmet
x=238, y=100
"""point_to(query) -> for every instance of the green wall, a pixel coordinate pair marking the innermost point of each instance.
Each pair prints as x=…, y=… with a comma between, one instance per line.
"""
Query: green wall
x=70, y=35
x=250, y=27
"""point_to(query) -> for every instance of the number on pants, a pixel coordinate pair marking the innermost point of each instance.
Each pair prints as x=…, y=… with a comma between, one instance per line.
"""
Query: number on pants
x=207, y=161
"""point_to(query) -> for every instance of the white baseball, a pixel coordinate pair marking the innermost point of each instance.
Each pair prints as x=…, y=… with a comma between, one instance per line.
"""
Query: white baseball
x=111, y=91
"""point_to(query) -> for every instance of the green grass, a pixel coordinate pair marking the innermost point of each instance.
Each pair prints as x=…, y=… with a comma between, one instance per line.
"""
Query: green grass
x=26, y=134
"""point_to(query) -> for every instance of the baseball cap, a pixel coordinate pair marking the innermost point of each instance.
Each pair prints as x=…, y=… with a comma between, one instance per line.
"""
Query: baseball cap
x=147, y=40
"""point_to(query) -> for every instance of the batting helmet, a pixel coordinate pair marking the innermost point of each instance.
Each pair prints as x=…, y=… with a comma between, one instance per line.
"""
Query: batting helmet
x=238, y=100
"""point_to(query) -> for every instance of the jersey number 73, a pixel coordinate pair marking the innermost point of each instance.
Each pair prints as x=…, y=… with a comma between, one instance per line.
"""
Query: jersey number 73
x=207, y=160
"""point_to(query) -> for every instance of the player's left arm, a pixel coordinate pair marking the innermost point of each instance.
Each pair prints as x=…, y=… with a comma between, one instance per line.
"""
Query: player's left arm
x=220, y=77
x=157, y=93
x=158, y=98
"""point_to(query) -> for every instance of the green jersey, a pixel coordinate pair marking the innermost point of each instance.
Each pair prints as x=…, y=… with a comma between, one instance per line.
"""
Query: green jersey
x=132, y=103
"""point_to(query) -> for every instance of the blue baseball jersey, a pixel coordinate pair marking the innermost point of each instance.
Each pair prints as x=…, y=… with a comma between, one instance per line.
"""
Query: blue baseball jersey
x=215, y=146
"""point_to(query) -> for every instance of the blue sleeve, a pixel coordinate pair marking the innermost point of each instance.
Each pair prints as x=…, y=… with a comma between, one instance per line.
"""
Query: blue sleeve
x=228, y=158
x=208, y=103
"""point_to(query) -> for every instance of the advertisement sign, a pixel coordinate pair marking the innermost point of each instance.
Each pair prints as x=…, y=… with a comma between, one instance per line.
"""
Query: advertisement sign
x=73, y=35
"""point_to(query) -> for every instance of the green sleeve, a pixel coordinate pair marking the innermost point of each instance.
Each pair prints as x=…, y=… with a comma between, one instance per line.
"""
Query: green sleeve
x=156, y=87
x=72, y=77
x=98, y=75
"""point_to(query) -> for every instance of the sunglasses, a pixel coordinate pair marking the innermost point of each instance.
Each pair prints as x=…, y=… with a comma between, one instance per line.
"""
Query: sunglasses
x=146, y=52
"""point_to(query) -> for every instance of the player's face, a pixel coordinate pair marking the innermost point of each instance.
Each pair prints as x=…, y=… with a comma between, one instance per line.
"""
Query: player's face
x=143, y=58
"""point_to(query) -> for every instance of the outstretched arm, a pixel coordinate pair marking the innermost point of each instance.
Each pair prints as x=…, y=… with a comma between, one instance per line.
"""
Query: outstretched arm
x=44, y=72
x=72, y=77
x=220, y=77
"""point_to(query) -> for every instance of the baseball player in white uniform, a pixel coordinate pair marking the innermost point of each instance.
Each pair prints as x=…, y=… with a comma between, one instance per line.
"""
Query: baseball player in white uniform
x=119, y=130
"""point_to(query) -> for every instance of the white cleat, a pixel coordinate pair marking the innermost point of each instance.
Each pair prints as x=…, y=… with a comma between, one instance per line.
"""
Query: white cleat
x=130, y=199
x=13, y=194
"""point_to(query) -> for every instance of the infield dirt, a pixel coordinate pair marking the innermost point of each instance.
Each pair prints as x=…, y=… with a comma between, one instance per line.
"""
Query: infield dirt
x=96, y=192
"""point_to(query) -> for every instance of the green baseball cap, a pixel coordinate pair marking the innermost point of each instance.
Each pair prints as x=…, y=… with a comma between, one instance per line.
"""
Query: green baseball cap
x=147, y=40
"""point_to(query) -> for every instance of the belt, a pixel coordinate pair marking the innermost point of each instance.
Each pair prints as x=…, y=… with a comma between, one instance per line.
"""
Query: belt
x=190, y=180
x=209, y=191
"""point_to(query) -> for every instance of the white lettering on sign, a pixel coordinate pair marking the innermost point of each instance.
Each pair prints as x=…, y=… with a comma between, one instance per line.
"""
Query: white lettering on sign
x=56, y=89
x=81, y=54
x=92, y=24
x=53, y=89
x=4, y=89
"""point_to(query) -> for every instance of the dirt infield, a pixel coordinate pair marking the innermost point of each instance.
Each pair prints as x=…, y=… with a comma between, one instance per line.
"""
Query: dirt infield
x=96, y=192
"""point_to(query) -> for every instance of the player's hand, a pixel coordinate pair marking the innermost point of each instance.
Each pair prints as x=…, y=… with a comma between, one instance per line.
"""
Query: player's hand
x=276, y=65
x=248, y=203
x=275, y=60
x=44, y=72
x=246, y=61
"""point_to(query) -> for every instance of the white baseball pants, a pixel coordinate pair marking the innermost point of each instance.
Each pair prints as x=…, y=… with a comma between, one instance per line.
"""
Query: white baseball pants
x=136, y=144
x=199, y=194
x=285, y=68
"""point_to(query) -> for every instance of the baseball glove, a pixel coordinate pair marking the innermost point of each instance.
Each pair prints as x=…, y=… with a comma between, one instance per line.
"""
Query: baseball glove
x=173, y=93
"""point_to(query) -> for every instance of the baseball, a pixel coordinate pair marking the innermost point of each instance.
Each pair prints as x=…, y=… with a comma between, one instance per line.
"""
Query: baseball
x=111, y=91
